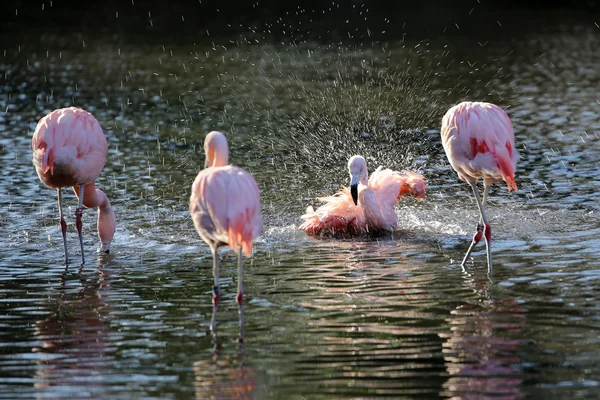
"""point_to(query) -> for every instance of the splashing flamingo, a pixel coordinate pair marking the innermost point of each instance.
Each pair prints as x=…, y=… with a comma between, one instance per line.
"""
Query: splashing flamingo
x=367, y=206
x=69, y=149
x=226, y=210
x=480, y=144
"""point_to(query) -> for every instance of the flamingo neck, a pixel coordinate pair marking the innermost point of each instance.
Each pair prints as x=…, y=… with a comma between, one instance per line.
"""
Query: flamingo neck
x=91, y=197
x=364, y=180
x=96, y=198
x=221, y=158
x=216, y=149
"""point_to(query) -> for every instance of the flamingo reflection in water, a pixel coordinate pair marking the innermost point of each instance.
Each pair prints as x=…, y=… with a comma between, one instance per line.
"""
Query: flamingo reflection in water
x=75, y=354
x=225, y=375
x=482, y=348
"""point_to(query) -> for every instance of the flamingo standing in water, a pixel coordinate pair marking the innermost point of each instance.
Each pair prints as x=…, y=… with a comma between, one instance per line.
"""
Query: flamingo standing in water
x=225, y=207
x=69, y=149
x=367, y=206
x=480, y=144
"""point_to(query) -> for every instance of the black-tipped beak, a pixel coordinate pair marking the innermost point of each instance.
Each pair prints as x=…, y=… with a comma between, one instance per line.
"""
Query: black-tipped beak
x=354, y=193
x=206, y=163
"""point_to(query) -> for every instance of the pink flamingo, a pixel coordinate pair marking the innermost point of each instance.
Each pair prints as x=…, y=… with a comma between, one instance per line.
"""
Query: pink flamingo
x=367, y=206
x=480, y=144
x=69, y=149
x=225, y=207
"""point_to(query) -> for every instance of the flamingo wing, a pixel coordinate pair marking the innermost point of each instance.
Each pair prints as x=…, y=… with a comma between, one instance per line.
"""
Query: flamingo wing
x=389, y=186
x=243, y=210
x=479, y=141
x=338, y=214
x=225, y=207
x=209, y=218
x=69, y=142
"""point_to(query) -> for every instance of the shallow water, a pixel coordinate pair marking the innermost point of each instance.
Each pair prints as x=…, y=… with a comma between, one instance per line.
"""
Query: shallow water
x=372, y=317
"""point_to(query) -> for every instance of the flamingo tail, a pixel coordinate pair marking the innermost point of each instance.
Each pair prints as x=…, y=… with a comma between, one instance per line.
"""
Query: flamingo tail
x=239, y=233
x=508, y=173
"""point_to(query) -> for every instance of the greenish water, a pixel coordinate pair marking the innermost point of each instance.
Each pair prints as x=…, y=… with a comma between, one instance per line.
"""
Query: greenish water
x=372, y=317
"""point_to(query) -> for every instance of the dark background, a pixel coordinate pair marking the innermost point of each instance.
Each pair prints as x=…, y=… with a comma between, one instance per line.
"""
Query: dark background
x=429, y=18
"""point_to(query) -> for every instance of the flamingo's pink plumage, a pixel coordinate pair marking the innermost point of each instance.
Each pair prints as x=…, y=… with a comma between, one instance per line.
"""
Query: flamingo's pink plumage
x=226, y=210
x=479, y=142
x=70, y=149
x=376, y=200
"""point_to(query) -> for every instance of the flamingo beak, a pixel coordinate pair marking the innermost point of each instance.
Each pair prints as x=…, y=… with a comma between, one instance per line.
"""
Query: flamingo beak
x=354, y=179
x=354, y=188
x=354, y=193
x=105, y=246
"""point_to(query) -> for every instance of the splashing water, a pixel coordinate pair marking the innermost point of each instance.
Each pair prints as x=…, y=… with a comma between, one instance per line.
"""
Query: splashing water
x=370, y=317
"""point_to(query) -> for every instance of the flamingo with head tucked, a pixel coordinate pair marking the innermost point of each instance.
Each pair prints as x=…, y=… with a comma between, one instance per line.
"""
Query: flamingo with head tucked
x=69, y=149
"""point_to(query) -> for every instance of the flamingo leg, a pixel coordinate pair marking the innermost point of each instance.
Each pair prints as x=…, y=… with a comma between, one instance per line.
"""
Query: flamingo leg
x=487, y=232
x=486, y=186
x=476, y=238
x=63, y=224
x=479, y=229
x=79, y=222
x=216, y=292
x=240, y=295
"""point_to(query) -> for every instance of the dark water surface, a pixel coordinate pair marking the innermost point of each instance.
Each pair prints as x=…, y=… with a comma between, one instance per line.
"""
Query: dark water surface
x=389, y=317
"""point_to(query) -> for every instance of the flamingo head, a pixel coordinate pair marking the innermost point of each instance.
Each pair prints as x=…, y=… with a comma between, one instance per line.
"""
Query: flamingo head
x=107, y=221
x=216, y=150
x=106, y=228
x=357, y=166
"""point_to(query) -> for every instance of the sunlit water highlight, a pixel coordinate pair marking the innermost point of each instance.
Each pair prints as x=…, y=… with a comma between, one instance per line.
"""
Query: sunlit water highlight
x=389, y=316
